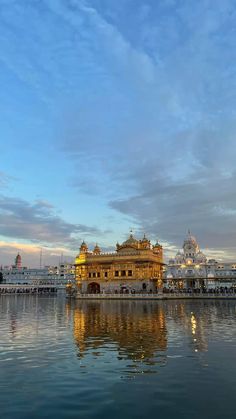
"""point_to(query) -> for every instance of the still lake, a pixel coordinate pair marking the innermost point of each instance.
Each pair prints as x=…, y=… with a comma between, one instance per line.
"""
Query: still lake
x=117, y=359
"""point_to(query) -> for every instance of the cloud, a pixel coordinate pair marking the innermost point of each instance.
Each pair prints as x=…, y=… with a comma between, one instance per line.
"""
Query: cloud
x=143, y=95
x=39, y=223
x=169, y=152
x=30, y=254
x=205, y=205
x=5, y=180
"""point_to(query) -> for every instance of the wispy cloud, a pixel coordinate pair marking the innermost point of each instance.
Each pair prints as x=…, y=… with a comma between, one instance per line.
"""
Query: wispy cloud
x=142, y=99
x=173, y=151
x=3, y=180
x=39, y=223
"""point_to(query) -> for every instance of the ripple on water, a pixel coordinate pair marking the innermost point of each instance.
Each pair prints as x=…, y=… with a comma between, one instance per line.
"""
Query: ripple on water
x=102, y=359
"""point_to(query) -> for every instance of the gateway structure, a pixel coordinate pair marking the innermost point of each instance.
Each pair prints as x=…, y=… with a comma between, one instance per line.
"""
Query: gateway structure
x=135, y=266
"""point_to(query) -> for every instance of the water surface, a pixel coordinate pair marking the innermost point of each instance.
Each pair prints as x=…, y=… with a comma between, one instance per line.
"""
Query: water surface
x=102, y=359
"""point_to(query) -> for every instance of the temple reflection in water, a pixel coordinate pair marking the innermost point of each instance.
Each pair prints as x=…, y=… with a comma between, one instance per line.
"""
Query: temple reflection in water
x=137, y=330
x=142, y=331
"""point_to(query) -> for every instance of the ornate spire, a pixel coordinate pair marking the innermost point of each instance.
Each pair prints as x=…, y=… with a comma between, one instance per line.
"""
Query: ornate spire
x=83, y=247
x=97, y=250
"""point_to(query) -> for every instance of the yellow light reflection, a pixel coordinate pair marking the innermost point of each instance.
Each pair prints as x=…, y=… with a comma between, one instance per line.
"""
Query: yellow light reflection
x=193, y=324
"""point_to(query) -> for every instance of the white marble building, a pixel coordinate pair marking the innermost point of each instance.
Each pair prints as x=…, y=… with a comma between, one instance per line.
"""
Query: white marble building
x=191, y=269
x=18, y=274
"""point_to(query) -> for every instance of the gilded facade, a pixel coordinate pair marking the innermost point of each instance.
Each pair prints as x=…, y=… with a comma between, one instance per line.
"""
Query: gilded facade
x=135, y=266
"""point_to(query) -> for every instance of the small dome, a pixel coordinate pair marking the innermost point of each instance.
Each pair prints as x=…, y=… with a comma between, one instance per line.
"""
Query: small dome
x=144, y=239
x=201, y=257
x=145, y=243
x=97, y=250
x=83, y=247
x=179, y=256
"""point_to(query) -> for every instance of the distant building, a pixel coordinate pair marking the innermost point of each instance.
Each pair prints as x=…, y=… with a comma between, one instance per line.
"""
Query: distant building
x=67, y=271
x=30, y=275
x=191, y=269
x=18, y=274
x=135, y=266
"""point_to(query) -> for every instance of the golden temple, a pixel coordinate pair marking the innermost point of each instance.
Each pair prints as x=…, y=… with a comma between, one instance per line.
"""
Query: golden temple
x=135, y=266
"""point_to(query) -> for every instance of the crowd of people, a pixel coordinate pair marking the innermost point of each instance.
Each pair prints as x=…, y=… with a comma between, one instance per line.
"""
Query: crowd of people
x=21, y=290
x=217, y=290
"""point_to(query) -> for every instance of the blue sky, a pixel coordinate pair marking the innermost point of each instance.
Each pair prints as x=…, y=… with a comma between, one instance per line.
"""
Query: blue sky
x=116, y=114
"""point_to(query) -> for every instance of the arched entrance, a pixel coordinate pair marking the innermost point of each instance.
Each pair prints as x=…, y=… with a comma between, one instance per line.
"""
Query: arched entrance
x=93, y=288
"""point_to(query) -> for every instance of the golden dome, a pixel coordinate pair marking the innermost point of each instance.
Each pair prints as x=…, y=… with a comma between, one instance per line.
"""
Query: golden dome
x=83, y=247
x=131, y=241
x=97, y=250
x=145, y=243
